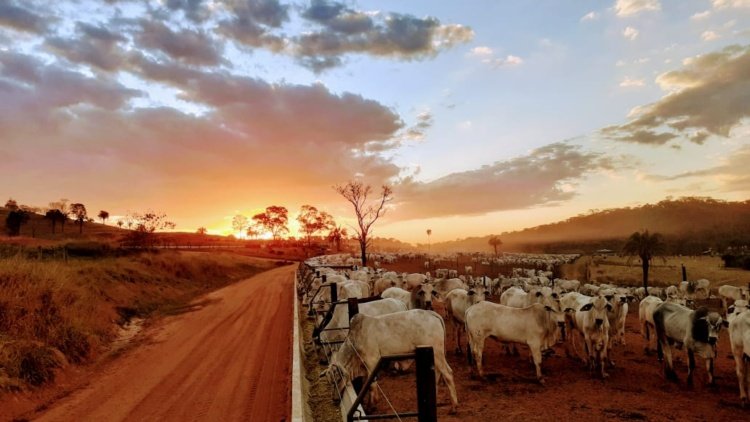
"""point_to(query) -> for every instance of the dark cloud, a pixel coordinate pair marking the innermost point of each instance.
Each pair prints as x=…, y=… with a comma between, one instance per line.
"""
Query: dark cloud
x=195, y=10
x=188, y=46
x=252, y=22
x=346, y=31
x=14, y=16
x=531, y=180
x=96, y=46
x=709, y=96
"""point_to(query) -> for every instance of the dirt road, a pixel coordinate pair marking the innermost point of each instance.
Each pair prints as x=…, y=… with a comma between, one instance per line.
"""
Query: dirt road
x=227, y=361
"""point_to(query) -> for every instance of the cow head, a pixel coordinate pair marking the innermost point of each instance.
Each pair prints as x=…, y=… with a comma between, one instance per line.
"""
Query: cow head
x=477, y=294
x=739, y=306
x=422, y=295
x=706, y=326
x=598, y=306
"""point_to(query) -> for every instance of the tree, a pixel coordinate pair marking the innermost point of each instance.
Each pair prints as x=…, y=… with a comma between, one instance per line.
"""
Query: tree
x=78, y=211
x=336, y=235
x=103, y=215
x=239, y=223
x=495, y=242
x=202, y=231
x=429, y=233
x=146, y=224
x=252, y=231
x=120, y=223
x=645, y=246
x=11, y=204
x=274, y=221
x=55, y=216
x=367, y=213
x=312, y=221
x=62, y=206
x=15, y=219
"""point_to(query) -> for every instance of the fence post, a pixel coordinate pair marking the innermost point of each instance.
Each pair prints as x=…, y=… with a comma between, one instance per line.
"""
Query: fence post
x=684, y=273
x=353, y=303
x=334, y=293
x=426, y=393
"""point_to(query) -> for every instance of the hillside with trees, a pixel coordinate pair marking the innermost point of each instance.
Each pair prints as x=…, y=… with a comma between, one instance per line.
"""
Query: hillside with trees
x=690, y=225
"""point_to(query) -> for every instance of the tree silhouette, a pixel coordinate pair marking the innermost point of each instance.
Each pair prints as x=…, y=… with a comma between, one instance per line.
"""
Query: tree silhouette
x=357, y=193
x=55, y=216
x=146, y=224
x=15, y=219
x=495, y=242
x=239, y=223
x=201, y=231
x=120, y=223
x=103, y=215
x=62, y=206
x=78, y=211
x=274, y=220
x=429, y=233
x=252, y=231
x=312, y=221
x=646, y=246
x=11, y=204
x=335, y=235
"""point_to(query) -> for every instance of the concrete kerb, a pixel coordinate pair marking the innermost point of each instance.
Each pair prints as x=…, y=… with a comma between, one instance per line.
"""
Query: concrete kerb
x=299, y=393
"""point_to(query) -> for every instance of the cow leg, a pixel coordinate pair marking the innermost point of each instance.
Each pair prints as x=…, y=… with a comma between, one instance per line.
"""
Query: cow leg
x=604, y=358
x=647, y=335
x=458, y=336
x=691, y=366
x=666, y=352
x=536, y=355
x=442, y=368
x=710, y=371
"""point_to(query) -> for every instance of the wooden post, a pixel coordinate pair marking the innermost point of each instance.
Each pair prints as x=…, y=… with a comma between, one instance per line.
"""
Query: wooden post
x=334, y=292
x=684, y=273
x=426, y=392
x=353, y=304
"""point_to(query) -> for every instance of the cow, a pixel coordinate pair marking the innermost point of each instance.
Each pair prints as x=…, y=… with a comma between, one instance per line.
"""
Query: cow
x=732, y=292
x=617, y=316
x=382, y=284
x=536, y=326
x=335, y=329
x=371, y=337
x=456, y=304
x=739, y=340
x=445, y=286
x=567, y=285
x=590, y=321
x=468, y=270
x=698, y=289
x=697, y=330
x=413, y=280
x=419, y=297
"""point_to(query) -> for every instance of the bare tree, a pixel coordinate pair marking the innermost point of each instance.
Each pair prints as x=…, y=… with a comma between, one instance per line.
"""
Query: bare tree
x=367, y=213
x=239, y=223
x=336, y=235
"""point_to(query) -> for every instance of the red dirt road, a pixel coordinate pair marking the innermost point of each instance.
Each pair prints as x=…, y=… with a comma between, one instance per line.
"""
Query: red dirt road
x=227, y=361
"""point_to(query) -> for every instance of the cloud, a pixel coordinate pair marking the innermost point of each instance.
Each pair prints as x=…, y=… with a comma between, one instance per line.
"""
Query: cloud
x=708, y=95
x=731, y=173
x=542, y=177
x=481, y=51
x=194, y=10
x=722, y=4
x=709, y=36
x=630, y=83
x=188, y=46
x=591, y=16
x=630, y=33
x=487, y=55
x=252, y=21
x=14, y=16
x=346, y=31
x=701, y=15
x=417, y=131
x=96, y=46
x=625, y=8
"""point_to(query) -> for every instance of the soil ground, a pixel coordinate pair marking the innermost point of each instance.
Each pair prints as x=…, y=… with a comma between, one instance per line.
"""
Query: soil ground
x=228, y=359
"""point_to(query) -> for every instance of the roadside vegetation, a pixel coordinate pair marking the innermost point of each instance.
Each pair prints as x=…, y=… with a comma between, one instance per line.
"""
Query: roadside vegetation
x=55, y=312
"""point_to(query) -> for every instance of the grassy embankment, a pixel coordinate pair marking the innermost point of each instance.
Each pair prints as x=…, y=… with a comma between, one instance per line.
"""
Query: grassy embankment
x=53, y=313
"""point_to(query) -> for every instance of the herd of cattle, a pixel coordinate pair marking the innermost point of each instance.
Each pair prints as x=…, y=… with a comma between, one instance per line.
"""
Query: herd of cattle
x=534, y=309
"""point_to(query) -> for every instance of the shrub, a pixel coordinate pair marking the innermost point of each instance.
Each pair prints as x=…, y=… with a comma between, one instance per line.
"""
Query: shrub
x=30, y=361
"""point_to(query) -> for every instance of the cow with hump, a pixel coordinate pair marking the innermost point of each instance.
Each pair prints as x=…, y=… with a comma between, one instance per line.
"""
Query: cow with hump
x=590, y=321
x=696, y=330
x=371, y=337
x=536, y=326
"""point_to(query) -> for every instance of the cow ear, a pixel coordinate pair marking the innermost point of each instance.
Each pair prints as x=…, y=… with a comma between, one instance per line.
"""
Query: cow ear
x=538, y=294
x=549, y=309
x=471, y=293
x=609, y=307
x=555, y=295
x=436, y=294
x=730, y=310
x=725, y=322
x=586, y=307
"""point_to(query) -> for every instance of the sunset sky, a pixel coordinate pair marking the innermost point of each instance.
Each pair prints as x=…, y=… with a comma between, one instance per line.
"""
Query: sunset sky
x=485, y=116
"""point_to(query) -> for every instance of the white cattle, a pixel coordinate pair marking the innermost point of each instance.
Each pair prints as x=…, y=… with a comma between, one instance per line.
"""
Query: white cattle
x=445, y=286
x=456, y=304
x=590, y=321
x=335, y=329
x=536, y=326
x=698, y=331
x=382, y=284
x=646, y=318
x=727, y=292
x=392, y=334
x=567, y=285
x=469, y=270
x=414, y=280
x=419, y=297
x=739, y=340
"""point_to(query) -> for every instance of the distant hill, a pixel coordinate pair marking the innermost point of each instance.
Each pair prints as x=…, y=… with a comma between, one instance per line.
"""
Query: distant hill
x=690, y=225
x=41, y=228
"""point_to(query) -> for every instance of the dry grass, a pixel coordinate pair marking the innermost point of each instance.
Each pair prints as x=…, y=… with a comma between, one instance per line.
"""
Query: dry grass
x=53, y=313
x=663, y=272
